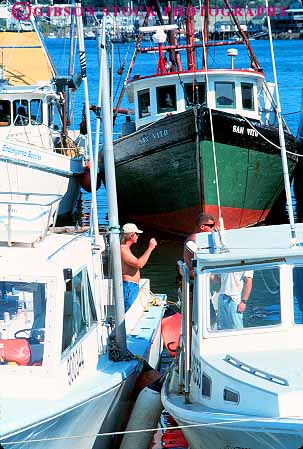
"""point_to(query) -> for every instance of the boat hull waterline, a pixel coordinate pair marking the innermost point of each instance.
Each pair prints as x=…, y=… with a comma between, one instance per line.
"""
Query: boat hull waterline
x=169, y=168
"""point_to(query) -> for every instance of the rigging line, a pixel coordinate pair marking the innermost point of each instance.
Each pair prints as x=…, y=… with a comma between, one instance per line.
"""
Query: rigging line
x=187, y=426
x=265, y=138
x=246, y=186
x=210, y=118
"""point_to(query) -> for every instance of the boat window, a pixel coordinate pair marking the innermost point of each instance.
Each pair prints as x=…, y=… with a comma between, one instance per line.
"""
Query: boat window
x=5, y=113
x=231, y=396
x=225, y=94
x=229, y=290
x=50, y=110
x=194, y=93
x=36, y=112
x=298, y=294
x=22, y=318
x=247, y=91
x=166, y=99
x=206, y=386
x=20, y=111
x=144, y=103
x=79, y=310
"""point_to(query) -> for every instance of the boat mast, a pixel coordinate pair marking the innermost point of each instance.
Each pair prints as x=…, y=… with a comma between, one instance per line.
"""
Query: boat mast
x=190, y=38
x=205, y=34
x=282, y=138
x=88, y=124
x=113, y=220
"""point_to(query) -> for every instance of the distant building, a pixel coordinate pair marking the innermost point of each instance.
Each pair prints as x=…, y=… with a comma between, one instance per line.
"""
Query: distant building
x=292, y=21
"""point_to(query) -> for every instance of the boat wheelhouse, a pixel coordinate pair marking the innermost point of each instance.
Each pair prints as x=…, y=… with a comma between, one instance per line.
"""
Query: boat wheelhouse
x=36, y=149
x=237, y=91
x=241, y=386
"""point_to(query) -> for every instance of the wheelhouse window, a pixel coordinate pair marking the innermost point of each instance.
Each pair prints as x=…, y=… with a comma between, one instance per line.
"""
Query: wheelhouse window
x=247, y=91
x=20, y=112
x=166, y=99
x=36, y=112
x=22, y=315
x=5, y=113
x=244, y=299
x=298, y=294
x=194, y=93
x=79, y=311
x=144, y=103
x=225, y=94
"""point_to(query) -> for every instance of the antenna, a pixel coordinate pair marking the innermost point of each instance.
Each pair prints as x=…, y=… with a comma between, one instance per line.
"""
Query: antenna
x=232, y=52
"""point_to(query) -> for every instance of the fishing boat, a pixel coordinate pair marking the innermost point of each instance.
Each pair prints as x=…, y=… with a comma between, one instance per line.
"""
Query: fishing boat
x=63, y=381
x=242, y=388
x=69, y=355
x=38, y=155
x=236, y=382
x=166, y=157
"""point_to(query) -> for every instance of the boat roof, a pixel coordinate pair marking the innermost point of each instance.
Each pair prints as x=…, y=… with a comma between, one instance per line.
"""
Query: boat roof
x=191, y=73
x=24, y=58
x=46, y=258
x=250, y=245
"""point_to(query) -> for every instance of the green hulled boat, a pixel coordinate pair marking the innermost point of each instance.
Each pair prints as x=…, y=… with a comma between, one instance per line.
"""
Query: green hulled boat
x=201, y=140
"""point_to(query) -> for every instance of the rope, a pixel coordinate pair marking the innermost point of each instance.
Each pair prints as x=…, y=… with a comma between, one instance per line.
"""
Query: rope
x=267, y=140
x=97, y=435
x=211, y=120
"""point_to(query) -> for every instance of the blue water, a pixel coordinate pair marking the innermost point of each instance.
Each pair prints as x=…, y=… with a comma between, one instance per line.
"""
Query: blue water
x=289, y=62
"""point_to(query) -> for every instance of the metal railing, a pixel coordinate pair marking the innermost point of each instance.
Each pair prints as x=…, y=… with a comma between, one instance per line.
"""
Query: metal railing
x=185, y=337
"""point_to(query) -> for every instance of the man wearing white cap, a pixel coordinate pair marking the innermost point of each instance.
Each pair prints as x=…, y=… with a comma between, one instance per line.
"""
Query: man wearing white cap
x=131, y=265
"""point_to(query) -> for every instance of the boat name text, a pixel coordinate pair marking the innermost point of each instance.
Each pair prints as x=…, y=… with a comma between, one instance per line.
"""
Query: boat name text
x=154, y=136
x=196, y=371
x=75, y=363
x=240, y=130
x=20, y=152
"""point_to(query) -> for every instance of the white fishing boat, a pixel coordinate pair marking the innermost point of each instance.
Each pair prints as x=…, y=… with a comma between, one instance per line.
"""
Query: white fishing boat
x=59, y=380
x=237, y=382
x=67, y=348
x=37, y=153
x=242, y=388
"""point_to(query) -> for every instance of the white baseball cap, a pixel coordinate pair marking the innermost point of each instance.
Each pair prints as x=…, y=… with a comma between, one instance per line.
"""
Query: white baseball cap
x=131, y=227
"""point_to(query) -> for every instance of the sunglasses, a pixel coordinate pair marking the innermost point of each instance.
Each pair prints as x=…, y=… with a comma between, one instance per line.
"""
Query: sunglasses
x=210, y=225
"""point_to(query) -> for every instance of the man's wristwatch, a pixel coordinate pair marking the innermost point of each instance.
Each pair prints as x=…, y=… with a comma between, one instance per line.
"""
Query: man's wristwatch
x=244, y=300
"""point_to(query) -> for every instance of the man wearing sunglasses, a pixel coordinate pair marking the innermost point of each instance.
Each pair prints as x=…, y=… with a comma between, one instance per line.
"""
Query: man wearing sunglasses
x=204, y=223
x=131, y=264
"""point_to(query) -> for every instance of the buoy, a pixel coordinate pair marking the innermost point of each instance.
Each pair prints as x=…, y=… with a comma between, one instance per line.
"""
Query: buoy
x=145, y=415
x=85, y=180
x=171, y=331
x=146, y=378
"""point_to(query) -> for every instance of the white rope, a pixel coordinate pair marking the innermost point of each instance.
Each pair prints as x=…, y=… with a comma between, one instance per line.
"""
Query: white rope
x=156, y=429
x=267, y=140
x=211, y=120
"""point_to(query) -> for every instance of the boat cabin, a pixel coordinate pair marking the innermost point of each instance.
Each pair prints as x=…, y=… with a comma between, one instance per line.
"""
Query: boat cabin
x=234, y=364
x=239, y=92
x=47, y=306
x=28, y=114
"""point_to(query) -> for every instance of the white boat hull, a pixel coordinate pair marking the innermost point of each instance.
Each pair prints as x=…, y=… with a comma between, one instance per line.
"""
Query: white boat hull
x=24, y=169
x=96, y=415
x=205, y=428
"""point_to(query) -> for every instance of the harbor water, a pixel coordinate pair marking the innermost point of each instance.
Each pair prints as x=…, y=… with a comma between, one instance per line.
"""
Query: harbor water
x=161, y=268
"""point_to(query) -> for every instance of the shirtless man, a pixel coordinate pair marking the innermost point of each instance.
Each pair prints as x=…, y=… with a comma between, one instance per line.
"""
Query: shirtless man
x=131, y=265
